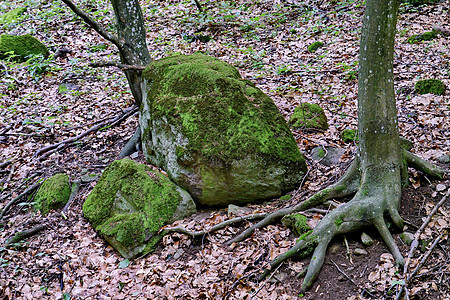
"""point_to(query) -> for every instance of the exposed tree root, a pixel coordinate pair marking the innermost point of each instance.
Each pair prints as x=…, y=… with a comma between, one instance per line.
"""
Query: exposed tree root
x=73, y=193
x=132, y=145
x=24, y=234
x=17, y=199
x=422, y=165
x=344, y=187
x=46, y=151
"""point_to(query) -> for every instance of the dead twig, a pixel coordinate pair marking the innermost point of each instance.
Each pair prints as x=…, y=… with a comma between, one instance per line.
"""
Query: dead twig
x=15, y=200
x=24, y=234
x=343, y=273
x=123, y=67
x=270, y=277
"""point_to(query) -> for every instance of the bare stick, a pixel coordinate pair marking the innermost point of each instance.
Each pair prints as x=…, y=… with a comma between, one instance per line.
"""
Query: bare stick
x=24, y=234
x=271, y=275
x=342, y=272
x=199, y=6
x=13, y=201
x=123, y=67
x=415, y=242
x=91, y=22
x=198, y=234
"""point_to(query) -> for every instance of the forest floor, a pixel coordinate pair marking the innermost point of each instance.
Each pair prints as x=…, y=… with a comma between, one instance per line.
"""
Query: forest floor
x=267, y=41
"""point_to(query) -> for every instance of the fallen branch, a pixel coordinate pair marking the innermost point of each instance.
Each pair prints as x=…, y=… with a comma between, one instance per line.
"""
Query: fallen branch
x=15, y=200
x=24, y=234
x=48, y=150
x=415, y=242
x=201, y=233
x=123, y=67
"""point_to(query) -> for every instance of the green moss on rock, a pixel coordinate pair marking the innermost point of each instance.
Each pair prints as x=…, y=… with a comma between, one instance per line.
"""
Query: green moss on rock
x=202, y=122
x=349, y=135
x=430, y=86
x=53, y=193
x=426, y=36
x=308, y=115
x=314, y=46
x=130, y=204
x=21, y=46
x=297, y=222
x=12, y=15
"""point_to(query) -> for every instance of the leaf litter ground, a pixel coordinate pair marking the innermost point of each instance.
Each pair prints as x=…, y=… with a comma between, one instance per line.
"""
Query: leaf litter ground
x=268, y=43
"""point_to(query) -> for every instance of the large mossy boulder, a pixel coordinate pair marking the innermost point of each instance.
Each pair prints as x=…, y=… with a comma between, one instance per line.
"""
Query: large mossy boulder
x=130, y=204
x=430, y=86
x=53, y=193
x=21, y=46
x=215, y=134
x=12, y=15
x=309, y=116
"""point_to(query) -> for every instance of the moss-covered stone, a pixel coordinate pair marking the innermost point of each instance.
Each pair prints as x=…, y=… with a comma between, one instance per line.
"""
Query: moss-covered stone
x=53, y=193
x=130, y=204
x=426, y=36
x=12, y=15
x=430, y=86
x=314, y=46
x=22, y=46
x=308, y=115
x=215, y=134
x=297, y=222
x=349, y=135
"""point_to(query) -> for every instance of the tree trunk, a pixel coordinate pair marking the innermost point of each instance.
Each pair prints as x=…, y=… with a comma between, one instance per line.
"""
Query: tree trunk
x=131, y=32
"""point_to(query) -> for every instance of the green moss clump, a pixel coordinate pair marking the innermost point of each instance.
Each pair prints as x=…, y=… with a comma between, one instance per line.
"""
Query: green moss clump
x=430, y=86
x=297, y=222
x=130, y=204
x=21, y=46
x=286, y=197
x=12, y=15
x=53, y=193
x=426, y=36
x=308, y=115
x=185, y=90
x=338, y=222
x=314, y=46
x=349, y=135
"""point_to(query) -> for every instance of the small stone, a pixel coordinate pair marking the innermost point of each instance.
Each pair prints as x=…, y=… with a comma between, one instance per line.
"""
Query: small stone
x=134, y=155
x=366, y=239
x=335, y=248
x=407, y=237
x=444, y=159
x=359, y=251
x=237, y=210
x=441, y=187
x=88, y=178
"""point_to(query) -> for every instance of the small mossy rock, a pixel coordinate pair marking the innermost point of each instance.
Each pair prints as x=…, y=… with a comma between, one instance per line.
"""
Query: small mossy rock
x=430, y=86
x=308, y=115
x=314, y=46
x=297, y=222
x=349, y=135
x=215, y=134
x=407, y=238
x=130, y=204
x=329, y=158
x=426, y=36
x=53, y=193
x=12, y=15
x=366, y=239
x=22, y=46
x=360, y=252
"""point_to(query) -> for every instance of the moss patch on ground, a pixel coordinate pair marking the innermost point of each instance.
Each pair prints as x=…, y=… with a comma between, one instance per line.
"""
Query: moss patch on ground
x=426, y=36
x=314, y=46
x=349, y=135
x=297, y=222
x=308, y=115
x=12, y=15
x=130, y=204
x=53, y=193
x=21, y=46
x=430, y=86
